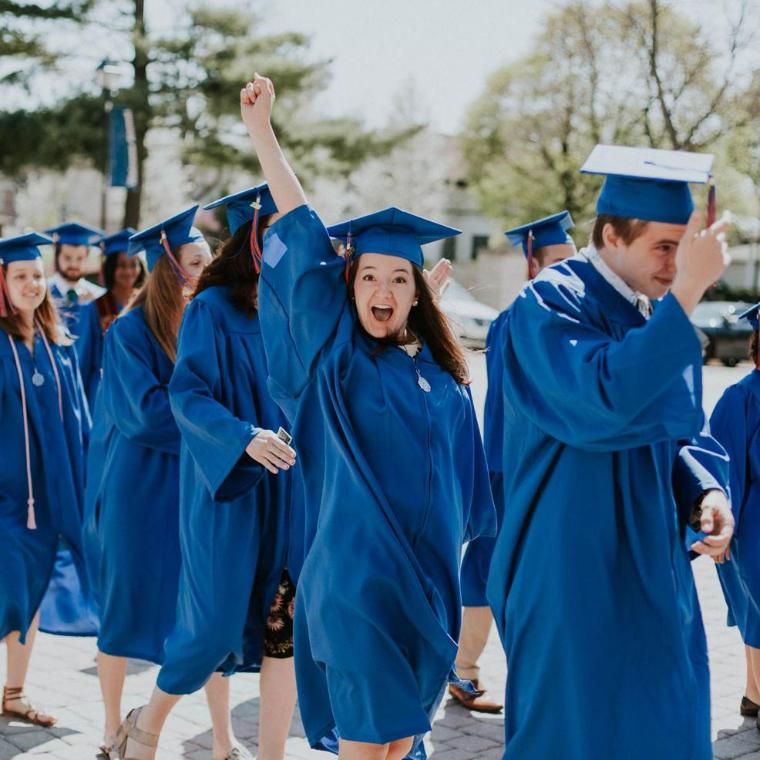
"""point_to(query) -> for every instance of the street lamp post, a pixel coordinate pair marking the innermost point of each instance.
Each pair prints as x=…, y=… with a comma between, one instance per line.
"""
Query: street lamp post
x=108, y=74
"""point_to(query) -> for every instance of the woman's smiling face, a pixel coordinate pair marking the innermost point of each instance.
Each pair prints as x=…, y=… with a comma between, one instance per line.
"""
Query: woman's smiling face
x=384, y=290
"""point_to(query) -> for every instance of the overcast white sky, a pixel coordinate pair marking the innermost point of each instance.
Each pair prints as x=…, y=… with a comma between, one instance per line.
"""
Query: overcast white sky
x=446, y=47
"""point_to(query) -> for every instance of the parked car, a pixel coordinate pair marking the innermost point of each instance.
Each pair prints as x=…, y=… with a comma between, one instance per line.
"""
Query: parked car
x=469, y=318
x=728, y=335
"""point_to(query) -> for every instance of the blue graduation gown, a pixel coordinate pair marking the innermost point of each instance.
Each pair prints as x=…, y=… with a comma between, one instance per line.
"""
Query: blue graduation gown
x=477, y=557
x=590, y=584
x=234, y=515
x=28, y=557
x=89, y=347
x=135, y=496
x=735, y=422
x=395, y=481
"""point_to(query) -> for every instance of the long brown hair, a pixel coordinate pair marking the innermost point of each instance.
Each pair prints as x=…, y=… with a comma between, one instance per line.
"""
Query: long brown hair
x=233, y=267
x=429, y=324
x=162, y=299
x=46, y=315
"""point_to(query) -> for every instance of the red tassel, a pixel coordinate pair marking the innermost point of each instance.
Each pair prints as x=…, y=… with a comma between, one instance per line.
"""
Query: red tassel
x=31, y=520
x=530, y=252
x=179, y=270
x=256, y=254
x=347, y=256
x=711, y=204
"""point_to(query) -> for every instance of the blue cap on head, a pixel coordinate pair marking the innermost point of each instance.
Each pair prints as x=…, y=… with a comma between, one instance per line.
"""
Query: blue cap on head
x=392, y=232
x=647, y=183
x=116, y=243
x=551, y=230
x=751, y=315
x=240, y=206
x=22, y=247
x=178, y=229
x=74, y=233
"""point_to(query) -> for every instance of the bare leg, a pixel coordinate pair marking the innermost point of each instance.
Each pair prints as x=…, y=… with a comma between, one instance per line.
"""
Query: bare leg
x=151, y=720
x=19, y=656
x=349, y=750
x=399, y=749
x=753, y=674
x=278, y=701
x=111, y=673
x=476, y=625
x=218, y=698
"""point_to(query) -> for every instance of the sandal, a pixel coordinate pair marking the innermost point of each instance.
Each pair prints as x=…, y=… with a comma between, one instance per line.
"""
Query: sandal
x=106, y=752
x=30, y=714
x=239, y=753
x=129, y=730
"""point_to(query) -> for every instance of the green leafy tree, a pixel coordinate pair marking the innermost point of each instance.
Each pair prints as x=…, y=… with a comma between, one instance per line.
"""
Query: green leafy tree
x=189, y=82
x=637, y=73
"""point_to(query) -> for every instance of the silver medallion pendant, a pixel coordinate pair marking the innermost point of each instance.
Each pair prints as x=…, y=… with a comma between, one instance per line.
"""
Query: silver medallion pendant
x=424, y=384
x=38, y=378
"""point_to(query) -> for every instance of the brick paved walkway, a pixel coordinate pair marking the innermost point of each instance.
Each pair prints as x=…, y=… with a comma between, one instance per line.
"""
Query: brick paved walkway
x=63, y=679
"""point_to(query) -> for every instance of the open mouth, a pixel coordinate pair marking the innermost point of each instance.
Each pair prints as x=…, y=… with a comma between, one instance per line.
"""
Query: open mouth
x=382, y=313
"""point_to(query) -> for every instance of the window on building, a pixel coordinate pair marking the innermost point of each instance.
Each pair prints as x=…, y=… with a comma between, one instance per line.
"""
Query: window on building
x=449, y=249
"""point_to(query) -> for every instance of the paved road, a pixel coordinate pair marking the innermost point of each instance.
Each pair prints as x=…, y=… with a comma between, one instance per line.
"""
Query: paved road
x=63, y=678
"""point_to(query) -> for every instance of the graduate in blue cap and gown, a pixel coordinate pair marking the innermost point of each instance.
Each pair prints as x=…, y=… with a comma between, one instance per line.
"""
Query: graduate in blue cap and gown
x=735, y=422
x=236, y=588
x=44, y=424
x=544, y=242
x=122, y=276
x=364, y=364
x=69, y=288
x=135, y=496
x=606, y=467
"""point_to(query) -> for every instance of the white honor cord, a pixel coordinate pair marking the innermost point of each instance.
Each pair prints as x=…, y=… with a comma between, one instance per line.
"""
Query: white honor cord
x=31, y=522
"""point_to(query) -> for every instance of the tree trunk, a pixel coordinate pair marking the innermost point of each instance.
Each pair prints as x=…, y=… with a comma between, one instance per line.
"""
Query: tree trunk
x=140, y=104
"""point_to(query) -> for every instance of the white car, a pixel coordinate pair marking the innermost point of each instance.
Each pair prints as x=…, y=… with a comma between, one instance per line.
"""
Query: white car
x=469, y=318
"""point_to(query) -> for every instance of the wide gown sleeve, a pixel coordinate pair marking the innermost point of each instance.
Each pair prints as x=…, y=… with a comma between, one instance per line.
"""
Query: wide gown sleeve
x=136, y=399
x=302, y=297
x=591, y=391
x=481, y=520
x=728, y=425
x=215, y=437
x=88, y=349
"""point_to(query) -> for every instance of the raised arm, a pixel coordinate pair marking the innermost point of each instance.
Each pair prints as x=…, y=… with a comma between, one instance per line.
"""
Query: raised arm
x=256, y=101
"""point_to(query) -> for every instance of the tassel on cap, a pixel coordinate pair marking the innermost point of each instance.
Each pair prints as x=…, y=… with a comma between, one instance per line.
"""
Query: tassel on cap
x=712, y=206
x=530, y=252
x=256, y=254
x=179, y=270
x=348, y=255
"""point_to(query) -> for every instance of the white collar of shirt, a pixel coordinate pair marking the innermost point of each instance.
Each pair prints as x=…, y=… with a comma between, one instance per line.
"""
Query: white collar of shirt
x=411, y=349
x=81, y=288
x=640, y=301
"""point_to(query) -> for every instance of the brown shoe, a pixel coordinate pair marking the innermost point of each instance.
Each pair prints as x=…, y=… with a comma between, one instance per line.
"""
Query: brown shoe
x=479, y=701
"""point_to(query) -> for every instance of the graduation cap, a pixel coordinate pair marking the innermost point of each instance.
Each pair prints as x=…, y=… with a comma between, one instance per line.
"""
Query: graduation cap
x=18, y=248
x=166, y=236
x=248, y=206
x=116, y=243
x=74, y=233
x=391, y=232
x=551, y=230
x=751, y=315
x=648, y=183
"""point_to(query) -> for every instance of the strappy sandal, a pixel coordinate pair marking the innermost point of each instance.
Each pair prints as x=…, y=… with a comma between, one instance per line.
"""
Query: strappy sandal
x=239, y=753
x=129, y=730
x=106, y=752
x=30, y=715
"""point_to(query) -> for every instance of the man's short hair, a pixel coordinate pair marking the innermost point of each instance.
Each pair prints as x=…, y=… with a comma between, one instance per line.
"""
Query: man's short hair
x=627, y=229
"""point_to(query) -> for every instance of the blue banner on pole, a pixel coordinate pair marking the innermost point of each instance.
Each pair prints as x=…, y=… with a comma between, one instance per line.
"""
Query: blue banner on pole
x=123, y=149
